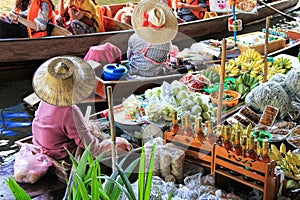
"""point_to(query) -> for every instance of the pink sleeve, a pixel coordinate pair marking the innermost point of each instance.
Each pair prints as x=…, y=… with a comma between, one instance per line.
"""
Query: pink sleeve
x=77, y=129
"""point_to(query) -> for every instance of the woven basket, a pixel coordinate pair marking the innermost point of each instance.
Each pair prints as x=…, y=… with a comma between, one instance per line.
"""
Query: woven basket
x=273, y=45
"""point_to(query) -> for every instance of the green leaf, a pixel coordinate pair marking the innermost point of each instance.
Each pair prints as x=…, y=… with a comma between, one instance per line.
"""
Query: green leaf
x=103, y=195
x=72, y=158
x=141, y=176
x=94, y=182
x=82, y=164
x=128, y=172
x=125, y=190
x=110, y=186
x=83, y=191
x=126, y=181
x=171, y=195
x=16, y=189
x=149, y=175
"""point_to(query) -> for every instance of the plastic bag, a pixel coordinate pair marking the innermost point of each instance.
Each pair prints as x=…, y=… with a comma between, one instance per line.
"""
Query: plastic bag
x=30, y=164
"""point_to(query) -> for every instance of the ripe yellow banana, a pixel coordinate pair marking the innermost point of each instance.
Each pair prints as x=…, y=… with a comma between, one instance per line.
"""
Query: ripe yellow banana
x=282, y=148
x=275, y=150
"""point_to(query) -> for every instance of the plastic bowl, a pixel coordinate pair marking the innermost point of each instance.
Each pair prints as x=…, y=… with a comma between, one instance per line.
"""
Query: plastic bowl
x=226, y=103
x=261, y=135
x=114, y=71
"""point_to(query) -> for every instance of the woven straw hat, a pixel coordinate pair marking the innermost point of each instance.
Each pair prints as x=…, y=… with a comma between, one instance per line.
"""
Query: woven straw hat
x=154, y=22
x=64, y=80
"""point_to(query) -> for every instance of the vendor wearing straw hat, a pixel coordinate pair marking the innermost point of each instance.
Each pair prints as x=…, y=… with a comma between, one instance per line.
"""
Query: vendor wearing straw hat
x=60, y=83
x=155, y=26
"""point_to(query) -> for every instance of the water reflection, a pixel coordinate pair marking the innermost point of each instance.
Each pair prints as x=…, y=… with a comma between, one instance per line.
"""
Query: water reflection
x=15, y=124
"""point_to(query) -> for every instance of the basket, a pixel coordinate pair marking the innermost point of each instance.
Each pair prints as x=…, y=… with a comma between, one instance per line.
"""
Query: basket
x=274, y=45
x=227, y=103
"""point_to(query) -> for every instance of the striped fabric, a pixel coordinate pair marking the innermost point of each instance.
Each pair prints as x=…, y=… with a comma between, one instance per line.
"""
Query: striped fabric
x=139, y=64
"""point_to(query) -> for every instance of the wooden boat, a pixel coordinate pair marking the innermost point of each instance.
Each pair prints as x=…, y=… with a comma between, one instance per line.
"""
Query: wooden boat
x=54, y=182
x=21, y=53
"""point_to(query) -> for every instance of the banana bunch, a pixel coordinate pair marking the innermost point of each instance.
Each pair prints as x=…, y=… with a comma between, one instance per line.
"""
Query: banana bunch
x=283, y=63
x=244, y=84
x=251, y=62
x=231, y=69
x=253, y=55
x=256, y=67
x=211, y=75
x=275, y=69
x=288, y=161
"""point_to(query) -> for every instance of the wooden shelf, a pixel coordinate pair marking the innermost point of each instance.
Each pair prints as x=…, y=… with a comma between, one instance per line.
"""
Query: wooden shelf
x=193, y=148
x=220, y=161
x=257, y=170
x=239, y=178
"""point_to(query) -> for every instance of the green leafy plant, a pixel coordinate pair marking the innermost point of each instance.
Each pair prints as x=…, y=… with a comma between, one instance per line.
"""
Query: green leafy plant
x=144, y=178
x=16, y=189
x=87, y=179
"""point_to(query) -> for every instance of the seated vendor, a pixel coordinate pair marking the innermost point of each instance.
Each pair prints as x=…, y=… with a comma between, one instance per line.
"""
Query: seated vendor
x=149, y=47
x=190, y=10
x=28, y=19
x=59, y=125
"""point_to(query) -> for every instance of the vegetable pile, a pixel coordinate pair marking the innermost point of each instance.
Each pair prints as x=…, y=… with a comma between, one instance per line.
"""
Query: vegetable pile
x=160, y=102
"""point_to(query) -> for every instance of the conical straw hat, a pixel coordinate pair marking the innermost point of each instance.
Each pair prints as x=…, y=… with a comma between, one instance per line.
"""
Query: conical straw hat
x=154, y=22
x=64, y=80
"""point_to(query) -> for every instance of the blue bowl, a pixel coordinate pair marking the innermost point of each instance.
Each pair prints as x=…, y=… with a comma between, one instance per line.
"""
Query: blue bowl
x=114, y=71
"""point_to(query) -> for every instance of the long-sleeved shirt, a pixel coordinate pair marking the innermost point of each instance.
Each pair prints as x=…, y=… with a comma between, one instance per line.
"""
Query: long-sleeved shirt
x=41, y=20
x=58, y=127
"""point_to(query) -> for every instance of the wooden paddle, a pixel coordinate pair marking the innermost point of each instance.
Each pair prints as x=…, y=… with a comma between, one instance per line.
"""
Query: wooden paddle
x=59, y=31
x=56, y=30
x=278, y=11
x=111, y=24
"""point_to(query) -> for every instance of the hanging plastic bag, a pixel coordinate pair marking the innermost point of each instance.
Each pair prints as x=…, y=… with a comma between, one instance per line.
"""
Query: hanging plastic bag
x=30, y=164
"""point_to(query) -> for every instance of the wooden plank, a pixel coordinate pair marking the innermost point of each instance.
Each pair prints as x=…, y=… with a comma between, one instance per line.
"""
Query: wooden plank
x=32, y=100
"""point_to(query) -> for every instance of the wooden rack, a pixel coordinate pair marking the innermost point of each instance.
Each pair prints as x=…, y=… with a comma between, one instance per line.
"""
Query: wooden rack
x=221, y=163
x=200, y=152
x=263, y=173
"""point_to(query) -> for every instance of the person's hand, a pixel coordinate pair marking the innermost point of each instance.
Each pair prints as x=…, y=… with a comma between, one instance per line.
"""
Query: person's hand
x=95, y=130
x=181, y=5
x=122, y=146
x=12, y=16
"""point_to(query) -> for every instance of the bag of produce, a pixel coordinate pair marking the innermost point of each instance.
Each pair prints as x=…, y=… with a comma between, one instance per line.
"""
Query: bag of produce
x=292, y=82
x=30, y=164
x=165, y=162
x=270, y=93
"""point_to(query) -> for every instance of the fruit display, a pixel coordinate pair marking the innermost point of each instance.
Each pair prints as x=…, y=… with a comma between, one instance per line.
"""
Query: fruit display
x=243, y=85
x=251, y=62
x=288, y=161
x=195, y=82
x=213, y=76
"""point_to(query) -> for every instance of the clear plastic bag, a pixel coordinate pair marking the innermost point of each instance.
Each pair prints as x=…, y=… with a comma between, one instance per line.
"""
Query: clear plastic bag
x=30, y=164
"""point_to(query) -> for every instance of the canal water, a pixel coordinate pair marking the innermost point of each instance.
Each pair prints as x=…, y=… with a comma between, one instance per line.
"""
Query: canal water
x=16, y=116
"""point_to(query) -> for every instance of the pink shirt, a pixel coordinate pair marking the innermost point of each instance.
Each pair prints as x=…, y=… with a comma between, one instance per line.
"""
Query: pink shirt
x=58, y=127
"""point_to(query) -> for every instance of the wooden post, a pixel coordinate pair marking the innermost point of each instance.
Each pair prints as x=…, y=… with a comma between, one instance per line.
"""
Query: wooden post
x=221, y=87
x=112, y=127
x=266, y=50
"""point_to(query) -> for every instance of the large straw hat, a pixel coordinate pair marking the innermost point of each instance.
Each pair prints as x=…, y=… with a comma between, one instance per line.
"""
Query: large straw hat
x=64, y=80
x=154, y=22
